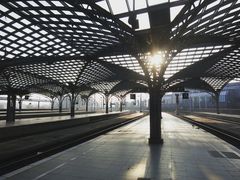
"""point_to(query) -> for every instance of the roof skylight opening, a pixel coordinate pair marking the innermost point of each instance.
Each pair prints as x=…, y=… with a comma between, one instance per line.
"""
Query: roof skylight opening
x=9, y=56
x=140, y=4
x=88, y=22
x=17, y=25
x=143, y=21
x=25, y=21
x=13, y=38
x=155, y=2
x=6, y=19
x=67, y=12
x=125, y=20
x=57, y=3
x=174, y=12
x=79, y=13
x=14, y=15
x=55, y=12
x=2, y=53
x=22, y=4
x=119, y=6
x=36, y=42
x=16, y=52
x=3, y=8
x=33, y=3
x=44, y=3
x=43, y=39
x=64, y=19
x=44, y=12
x=2, y=33
x=86, y=6
x=9, y=29
x=225, y=6
x=103, y=4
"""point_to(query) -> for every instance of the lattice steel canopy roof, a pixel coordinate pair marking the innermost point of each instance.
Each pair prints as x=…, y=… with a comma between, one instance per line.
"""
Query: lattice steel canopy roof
x=55, y=46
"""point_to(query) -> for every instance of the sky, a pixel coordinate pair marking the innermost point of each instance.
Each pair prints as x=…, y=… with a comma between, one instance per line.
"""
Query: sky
x=120, y=6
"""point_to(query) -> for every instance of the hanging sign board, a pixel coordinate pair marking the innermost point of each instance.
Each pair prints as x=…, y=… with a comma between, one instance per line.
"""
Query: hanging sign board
x=185, y=95
x=132, y=96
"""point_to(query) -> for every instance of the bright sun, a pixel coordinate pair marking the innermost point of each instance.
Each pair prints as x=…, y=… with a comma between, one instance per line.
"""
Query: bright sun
x=156, y=59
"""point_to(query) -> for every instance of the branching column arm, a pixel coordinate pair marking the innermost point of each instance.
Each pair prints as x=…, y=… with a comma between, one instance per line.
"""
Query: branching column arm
x=187, y=15
x=143, y=66
x=82, y=71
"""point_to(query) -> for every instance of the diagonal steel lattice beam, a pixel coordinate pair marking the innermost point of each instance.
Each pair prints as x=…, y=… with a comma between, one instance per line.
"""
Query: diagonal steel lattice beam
x=35, y=60
x=186, y=16
x=96, y=13
x=43, y=90
x=121, y=72
x=47, y=59
x=82, y=71
x=37, y=76
x=118, y=28
x=34, y=22
x=193, y=83
x=199, y=68
x=201, y=41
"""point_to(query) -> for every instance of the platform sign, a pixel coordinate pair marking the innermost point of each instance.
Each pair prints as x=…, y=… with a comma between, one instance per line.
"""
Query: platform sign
x=26, y=97
x=185, y=95
x=132, y=96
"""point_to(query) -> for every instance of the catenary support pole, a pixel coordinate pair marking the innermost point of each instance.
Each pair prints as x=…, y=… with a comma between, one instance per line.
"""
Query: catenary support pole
x=60, y=103
x=177, y=104
x=73, y=98
x=217, y=102
x=86, y=101
x=20, y=103
x=52, y=103
x=11, y=106
x=107, y=99
x=121, y=104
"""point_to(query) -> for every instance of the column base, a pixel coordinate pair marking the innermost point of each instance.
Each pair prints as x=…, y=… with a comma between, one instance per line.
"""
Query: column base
x=155, y=141
x=10, y=121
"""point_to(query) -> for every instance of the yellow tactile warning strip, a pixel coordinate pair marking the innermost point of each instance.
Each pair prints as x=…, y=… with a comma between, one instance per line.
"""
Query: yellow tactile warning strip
x=204, y=120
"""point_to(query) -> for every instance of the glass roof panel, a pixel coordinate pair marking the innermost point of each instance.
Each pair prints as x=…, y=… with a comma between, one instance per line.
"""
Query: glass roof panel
x=174, y=11
x=141, y=4
x=119, y=7
x=143, y=21
x=155, y=2
x=63, y=28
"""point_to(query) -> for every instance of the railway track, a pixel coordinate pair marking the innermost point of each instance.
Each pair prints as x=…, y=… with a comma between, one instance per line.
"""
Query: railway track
x=223, y=134
x=222, y=119
x=28, y=158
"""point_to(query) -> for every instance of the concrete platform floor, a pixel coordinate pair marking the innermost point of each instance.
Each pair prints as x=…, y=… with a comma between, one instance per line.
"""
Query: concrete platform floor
x=188, y=153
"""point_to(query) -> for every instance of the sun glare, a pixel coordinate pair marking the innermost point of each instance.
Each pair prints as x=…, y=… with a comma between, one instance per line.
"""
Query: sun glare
x=156, y=59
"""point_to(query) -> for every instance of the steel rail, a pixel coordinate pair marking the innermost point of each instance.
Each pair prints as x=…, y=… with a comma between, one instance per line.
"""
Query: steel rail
x=11, y=165
x=223, y=134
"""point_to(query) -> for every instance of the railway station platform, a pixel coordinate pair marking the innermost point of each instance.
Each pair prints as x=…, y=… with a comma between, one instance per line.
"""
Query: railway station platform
x=187, y=153
x=28, y=126
x=29, y=121
x=36, y=114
